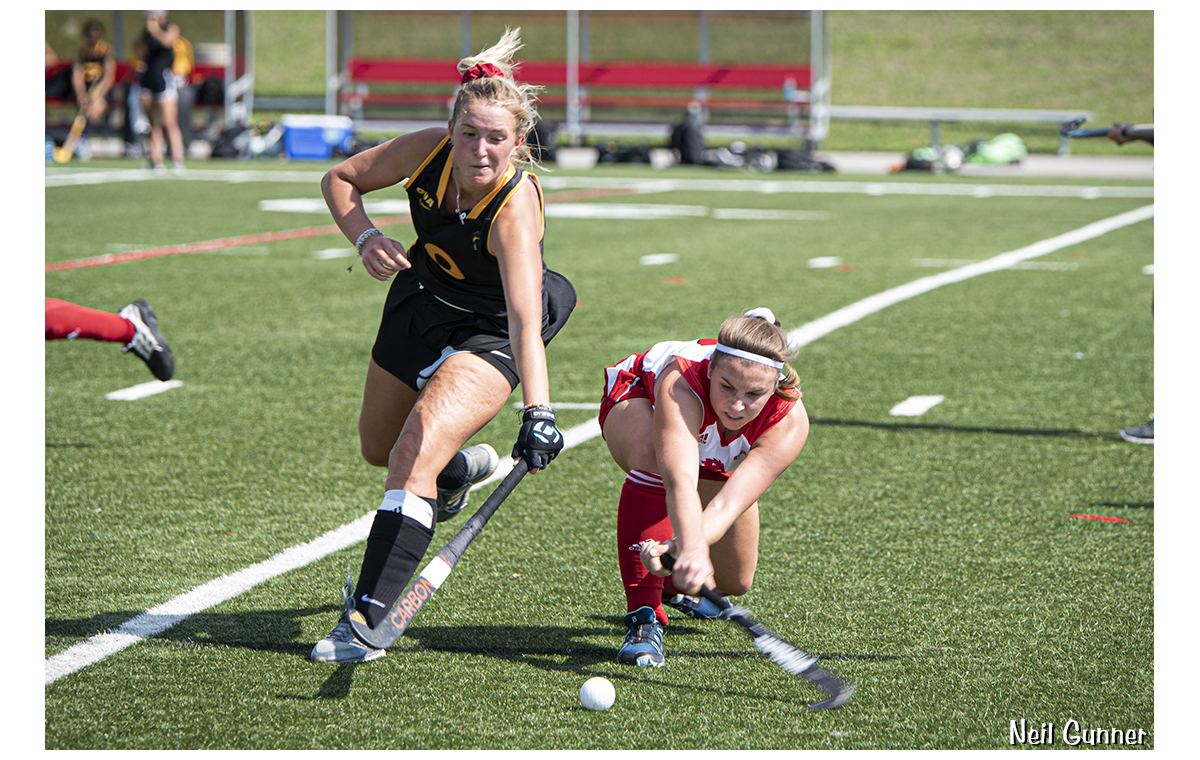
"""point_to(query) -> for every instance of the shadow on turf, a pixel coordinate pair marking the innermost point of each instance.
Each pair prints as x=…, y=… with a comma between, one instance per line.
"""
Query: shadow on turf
x=918, y=426
x=536, y=646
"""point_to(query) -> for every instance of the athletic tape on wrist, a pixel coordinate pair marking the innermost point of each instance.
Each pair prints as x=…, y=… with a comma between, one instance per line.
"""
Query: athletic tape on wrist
x=408, y=504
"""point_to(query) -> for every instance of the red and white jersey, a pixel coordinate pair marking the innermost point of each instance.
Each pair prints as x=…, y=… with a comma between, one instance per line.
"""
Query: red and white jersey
x=635, y=377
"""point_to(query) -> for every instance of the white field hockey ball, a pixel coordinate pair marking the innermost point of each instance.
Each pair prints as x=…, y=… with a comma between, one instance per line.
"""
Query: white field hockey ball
x=597, y=694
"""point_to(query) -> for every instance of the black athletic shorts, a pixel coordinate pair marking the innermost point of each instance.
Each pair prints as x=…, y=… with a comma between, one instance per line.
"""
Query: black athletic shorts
x=418, y=331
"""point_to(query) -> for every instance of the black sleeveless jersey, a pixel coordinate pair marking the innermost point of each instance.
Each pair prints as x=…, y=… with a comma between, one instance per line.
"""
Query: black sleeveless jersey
x=91, y=59
x=159, y=59
x=452, y=256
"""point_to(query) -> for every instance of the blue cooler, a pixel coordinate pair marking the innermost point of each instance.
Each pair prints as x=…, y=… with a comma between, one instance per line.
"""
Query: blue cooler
x=313, y=137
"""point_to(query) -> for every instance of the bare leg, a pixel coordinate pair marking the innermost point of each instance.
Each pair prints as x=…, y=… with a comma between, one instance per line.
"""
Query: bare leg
x=169, y=111
x=156, y=136
x=735, y=555
x=462, y=396
x=387, y=402
x=628, y=431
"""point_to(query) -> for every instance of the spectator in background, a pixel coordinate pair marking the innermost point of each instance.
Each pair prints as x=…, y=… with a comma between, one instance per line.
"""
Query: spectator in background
x=1121, y=134
x=159, y=98
x=93, y=73
x=136, y=326
x=182, y=70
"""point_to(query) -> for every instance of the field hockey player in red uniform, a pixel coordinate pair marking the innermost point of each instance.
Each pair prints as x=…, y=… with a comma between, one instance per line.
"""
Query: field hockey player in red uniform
x=702, y=429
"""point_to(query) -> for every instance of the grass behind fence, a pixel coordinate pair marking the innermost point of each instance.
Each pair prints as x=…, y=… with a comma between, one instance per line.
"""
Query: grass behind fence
x=1100, y=61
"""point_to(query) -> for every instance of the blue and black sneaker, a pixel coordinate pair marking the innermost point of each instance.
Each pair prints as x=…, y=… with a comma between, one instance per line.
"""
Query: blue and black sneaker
x=695, y=607
x=643, y=640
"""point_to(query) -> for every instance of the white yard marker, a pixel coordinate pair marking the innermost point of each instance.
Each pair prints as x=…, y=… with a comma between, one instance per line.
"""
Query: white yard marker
x=770, y=214
x=317, y=206
x=160, y=618
x=622, y=211
x=915, y=406
x=143, y=390
x=656, y=259
x=824, y=262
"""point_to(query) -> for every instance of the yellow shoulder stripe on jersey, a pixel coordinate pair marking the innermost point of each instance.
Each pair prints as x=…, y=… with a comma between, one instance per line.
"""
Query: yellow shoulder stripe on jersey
x=425, y=163
x=479, y=207
x=532, y=179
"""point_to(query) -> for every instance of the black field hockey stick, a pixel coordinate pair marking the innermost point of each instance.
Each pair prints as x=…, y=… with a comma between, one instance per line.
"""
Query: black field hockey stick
x=1072, y=129
x=793, y=660
x=418, y=593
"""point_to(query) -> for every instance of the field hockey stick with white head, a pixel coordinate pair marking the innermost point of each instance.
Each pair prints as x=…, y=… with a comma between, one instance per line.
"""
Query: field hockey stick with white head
x=785, y=655
x=431, y=578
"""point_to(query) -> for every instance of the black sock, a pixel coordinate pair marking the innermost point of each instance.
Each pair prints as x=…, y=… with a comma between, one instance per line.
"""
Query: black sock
x=453, y=475
x=395, y=547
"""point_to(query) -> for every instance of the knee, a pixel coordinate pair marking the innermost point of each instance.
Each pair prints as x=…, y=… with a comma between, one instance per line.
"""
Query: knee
x=374, y=454
x=738, y=585
x=372, y=458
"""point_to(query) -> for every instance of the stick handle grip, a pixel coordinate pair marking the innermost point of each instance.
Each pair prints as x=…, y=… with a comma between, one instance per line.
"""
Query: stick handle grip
x=711, y=594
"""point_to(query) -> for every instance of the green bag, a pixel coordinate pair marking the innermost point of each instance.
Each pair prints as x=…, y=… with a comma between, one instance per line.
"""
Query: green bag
x=1001, y=149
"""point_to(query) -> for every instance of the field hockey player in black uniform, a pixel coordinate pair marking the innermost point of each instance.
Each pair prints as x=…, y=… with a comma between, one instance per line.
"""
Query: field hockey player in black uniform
x=469, y=312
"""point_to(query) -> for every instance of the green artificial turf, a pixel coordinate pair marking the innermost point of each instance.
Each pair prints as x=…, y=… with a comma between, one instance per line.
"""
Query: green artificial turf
x=937, y=561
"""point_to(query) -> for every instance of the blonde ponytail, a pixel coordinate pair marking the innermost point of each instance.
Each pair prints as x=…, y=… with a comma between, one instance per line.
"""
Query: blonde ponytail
x=497, y=86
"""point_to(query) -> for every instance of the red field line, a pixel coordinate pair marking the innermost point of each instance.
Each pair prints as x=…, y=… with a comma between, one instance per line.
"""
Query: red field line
x=275, y=237
x=210, y=245
x=1102, y=518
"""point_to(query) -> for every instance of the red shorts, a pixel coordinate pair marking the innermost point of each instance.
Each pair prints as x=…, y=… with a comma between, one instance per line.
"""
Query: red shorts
x=622, y=385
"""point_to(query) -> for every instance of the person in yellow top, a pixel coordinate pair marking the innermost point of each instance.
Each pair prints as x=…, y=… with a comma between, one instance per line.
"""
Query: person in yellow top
x=93, y=73
x=470, y=309
x=159, y=97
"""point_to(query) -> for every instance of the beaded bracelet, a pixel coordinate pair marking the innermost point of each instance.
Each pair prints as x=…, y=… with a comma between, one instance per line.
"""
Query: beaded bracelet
x=368, y=233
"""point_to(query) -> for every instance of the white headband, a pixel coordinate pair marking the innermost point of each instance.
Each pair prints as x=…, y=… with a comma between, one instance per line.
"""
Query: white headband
x=762, y=312
x=748, y=356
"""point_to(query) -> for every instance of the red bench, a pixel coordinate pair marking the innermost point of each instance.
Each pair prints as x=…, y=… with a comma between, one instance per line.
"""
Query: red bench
x=200, y=72
x=613, y=87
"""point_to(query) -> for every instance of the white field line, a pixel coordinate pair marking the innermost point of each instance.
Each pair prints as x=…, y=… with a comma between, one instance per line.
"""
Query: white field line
x=159, y=619
x=142, y=390
x=849, y=314
x=915, y=406
x=67, y=177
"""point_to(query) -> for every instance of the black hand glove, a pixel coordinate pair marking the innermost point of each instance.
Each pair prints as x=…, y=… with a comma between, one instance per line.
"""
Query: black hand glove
x=540, y=440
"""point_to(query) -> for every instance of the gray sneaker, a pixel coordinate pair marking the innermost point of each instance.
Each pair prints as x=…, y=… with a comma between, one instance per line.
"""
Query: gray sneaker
x=482, y=461
x=341, y=646
x=1141, y=434
x=148, y=343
